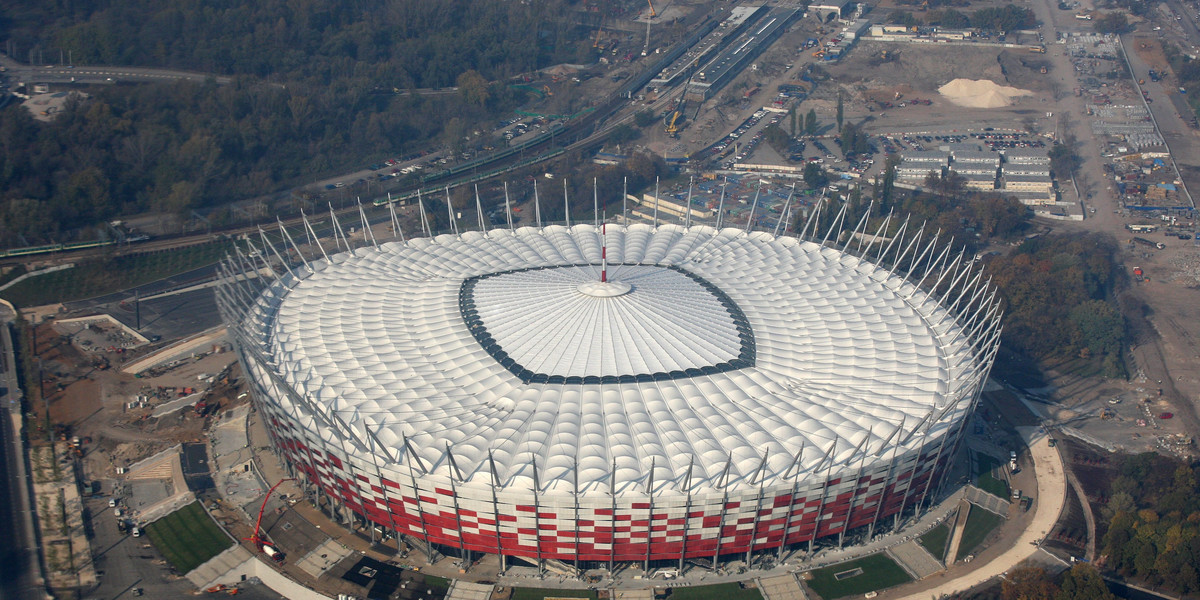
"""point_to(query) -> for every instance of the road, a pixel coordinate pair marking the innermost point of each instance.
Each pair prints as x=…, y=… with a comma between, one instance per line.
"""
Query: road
x=99, y=74
x=20, y=567
x=1049, y=502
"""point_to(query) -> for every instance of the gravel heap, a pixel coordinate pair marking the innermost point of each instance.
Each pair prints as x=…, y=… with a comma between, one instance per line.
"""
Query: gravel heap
x=1189, y=269
x=980, y=93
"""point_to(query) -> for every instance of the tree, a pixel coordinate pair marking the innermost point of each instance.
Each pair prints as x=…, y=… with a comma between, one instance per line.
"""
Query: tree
x=810, y=122
x=1101, y=326
x=1063, y=160
x=1083, y=582
x=841, y=108
x=473, y=87
x=1112, y=22
x=948, y=18
x=815, y=176
x=777, y=138
x=1028, y=583
x=622, y=133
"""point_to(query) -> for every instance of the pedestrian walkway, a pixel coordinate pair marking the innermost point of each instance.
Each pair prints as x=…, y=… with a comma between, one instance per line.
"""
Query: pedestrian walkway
x=782, y=587
x=915, y=559
x=213, y=571
x=465, y=590
x=956, y=532
x=987, y=501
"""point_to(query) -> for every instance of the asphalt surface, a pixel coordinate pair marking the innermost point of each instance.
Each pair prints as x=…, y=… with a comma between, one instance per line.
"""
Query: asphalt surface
x=19, y=563
x=124, y=562
x=99, y=74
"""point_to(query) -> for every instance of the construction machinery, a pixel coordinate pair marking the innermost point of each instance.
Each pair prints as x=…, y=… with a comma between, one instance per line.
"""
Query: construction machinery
x=260, y=543
x=674, y=119
x=653, y=13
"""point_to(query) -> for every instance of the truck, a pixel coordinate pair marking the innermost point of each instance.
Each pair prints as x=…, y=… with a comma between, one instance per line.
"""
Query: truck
x=1146, y=242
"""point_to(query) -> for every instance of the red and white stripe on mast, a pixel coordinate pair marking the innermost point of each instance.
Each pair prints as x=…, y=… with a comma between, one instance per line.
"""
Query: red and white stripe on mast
x=604, y=253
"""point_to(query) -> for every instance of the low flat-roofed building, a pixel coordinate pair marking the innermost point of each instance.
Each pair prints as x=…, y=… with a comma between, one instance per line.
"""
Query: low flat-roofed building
x=974, y=169
x=1027, y=169
x=671, y=207
x=926, y=156
x=1040, y=198
x=918, y=171
x=1025, y=156
x=976, y=158
x=1028, y=183
x=979, y=181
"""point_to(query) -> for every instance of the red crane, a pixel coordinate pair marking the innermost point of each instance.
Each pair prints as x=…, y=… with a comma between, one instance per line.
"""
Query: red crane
x=259, y=543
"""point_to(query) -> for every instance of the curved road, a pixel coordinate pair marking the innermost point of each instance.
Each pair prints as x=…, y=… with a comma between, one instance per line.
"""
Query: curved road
x=1049, y=503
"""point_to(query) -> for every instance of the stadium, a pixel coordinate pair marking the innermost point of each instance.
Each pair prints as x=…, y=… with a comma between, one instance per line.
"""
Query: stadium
x=611, y=394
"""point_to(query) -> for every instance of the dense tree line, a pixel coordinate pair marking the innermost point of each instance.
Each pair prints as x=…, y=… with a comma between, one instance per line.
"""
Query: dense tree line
x=171, y=148
x=1004, y=18
x=1153, y=516
x=1187, y=71
x=318, y=87
x=1081, y=582
x=1059, y=300
x=394, y=43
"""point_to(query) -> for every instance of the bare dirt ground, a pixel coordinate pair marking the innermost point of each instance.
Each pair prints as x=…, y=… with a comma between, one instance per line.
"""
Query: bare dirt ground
x=91, y=399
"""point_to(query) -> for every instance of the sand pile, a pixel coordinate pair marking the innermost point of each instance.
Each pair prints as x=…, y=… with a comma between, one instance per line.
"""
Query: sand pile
x=980, y=93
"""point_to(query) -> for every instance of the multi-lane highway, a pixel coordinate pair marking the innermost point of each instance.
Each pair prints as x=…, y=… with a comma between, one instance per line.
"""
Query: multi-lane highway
x=98, y=74
x=20, y=569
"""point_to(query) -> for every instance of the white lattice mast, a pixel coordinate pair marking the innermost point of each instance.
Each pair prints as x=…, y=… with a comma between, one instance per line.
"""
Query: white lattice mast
x=479, y=211
x=537, y=206
x=366, y=225
x=753, y=206
x=566, y=205
x=787, y=206
x=687, y=208
x=655, y=226
x=424, y=218
x=507, y=207
x=721, y=203
x=395, y=222
x=450, y=211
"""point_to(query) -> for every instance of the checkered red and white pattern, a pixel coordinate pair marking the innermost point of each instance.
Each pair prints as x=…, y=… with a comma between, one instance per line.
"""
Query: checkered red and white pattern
x=631, y=528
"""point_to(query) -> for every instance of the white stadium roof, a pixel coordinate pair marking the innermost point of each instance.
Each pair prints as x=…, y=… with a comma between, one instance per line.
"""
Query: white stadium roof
x=726, y=346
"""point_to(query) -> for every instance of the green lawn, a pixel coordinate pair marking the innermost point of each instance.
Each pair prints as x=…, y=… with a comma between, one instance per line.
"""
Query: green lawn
x=985, y=478
x=935, y=541
x=540, y=593
x=97, y=277
x=721, y=591
x=994, y=486
x=437, y=584
x=878, y=572
x=979, y=524
x=188, y=537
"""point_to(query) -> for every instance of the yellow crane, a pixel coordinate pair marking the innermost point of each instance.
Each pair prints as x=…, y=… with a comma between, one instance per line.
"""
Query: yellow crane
x=653, y=13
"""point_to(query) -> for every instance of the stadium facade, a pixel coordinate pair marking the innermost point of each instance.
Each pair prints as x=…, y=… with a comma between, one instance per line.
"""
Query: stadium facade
x=618, y=393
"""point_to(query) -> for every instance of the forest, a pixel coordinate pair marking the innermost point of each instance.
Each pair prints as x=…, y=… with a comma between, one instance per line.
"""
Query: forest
x=317, y=87
x=1059, y=300
x=1153, y=516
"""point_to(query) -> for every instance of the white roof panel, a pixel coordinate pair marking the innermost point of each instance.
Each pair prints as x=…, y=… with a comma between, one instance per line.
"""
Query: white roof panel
x=724, y=345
